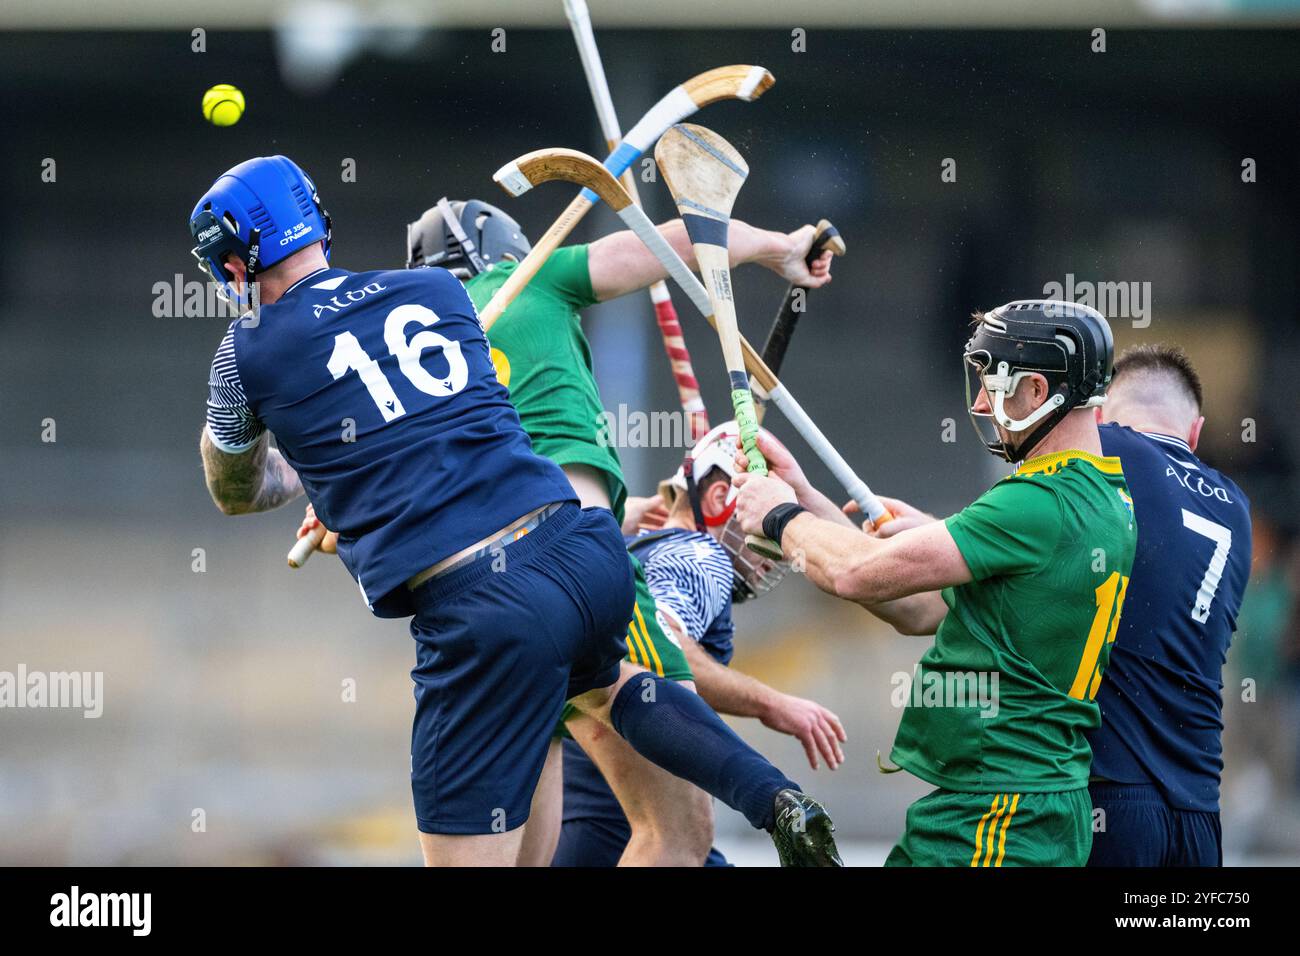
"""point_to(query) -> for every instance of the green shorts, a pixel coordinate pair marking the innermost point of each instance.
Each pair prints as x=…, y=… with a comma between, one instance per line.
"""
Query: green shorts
x=650, y=644
x=996, y=829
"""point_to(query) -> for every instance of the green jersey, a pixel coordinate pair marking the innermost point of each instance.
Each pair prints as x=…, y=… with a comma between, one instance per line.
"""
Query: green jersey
x=542, y=357
x=1002, y=699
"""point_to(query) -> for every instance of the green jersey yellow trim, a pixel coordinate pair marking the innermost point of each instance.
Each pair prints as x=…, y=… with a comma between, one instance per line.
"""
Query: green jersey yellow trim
x=1050, y=464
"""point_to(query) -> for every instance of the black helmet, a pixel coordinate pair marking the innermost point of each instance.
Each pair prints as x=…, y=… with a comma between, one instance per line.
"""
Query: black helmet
x=466, y=238
x=1068, y=344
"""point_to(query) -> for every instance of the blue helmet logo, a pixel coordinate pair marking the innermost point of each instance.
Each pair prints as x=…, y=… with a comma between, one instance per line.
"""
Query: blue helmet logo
x=262, y=211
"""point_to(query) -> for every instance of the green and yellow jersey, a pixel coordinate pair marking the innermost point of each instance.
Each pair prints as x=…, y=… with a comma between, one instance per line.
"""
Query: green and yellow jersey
x=1001, y=701
x=542, y=357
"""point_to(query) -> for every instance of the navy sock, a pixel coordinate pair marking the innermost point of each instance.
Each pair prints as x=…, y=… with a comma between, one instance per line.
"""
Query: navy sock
x=673, y=728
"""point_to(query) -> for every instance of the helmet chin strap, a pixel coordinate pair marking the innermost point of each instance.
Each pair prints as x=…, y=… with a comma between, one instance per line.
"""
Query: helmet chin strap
x=1046, y=417
x=466, y=243
x=693, y=494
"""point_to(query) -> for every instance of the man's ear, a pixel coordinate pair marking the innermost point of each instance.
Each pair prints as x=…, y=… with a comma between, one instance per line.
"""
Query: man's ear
x=1033, y=391
x=235, y=266
x=1042, y=391
x=1194, y=433
x=714, y=498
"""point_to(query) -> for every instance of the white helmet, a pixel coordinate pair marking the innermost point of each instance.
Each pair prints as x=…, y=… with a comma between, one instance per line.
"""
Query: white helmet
x=753, y=574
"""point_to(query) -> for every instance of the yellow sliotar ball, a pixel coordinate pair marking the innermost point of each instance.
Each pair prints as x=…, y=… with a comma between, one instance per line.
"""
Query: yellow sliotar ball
x=223, y=105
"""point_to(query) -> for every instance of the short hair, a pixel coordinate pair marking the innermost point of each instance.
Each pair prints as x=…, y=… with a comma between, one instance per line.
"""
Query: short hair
x=1160, y=358
x=703, y=483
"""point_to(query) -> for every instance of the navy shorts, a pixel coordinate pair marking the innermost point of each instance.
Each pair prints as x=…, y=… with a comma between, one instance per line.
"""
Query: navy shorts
x=501, y=644
x=1141, y=829
x=595, y=831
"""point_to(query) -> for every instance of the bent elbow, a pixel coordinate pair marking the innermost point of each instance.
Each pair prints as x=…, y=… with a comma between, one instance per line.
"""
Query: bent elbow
x=228, y=507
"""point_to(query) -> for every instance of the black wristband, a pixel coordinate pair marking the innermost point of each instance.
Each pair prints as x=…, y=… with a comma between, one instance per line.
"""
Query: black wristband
x=774, y=521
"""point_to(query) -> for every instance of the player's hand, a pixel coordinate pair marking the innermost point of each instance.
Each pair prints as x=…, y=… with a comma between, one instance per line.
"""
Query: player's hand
x=330, y=543
x=759, y=494
x=819, y=730
x=780, y=462
x=641, y=513
x=792, y=267
x=905, y=517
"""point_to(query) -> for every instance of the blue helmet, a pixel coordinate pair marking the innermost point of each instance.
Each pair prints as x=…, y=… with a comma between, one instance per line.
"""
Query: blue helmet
x=262, y=210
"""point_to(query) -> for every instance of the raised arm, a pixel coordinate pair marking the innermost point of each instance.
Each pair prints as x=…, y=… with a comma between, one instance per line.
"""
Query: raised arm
x=620, y=263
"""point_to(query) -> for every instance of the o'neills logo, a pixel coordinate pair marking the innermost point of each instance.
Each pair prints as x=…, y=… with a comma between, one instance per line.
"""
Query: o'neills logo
x=208, y=233
x=337, y=303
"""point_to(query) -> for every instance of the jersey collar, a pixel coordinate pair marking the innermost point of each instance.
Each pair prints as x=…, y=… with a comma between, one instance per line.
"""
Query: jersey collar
x=1051, y=464
x=306, y=278
x=1169, y=440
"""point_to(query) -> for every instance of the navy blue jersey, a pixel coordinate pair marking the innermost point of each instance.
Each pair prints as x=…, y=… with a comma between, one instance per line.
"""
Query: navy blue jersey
x=1162, y=697
x=381, y=394
x=690, y=576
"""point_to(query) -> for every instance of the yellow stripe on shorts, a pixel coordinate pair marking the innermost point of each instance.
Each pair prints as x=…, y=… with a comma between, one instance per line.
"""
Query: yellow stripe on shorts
x=1002, y=839
x=645, y=631
x=993, y=827
x=979, y=831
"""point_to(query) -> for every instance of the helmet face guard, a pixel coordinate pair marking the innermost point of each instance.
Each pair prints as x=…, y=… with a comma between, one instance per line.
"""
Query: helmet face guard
x=999, y=384
x=752, y=574
x=217, y=239
x=1069, y=345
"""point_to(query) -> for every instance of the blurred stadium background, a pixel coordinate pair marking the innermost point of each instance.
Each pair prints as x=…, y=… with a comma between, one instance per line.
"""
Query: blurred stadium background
x=223, y=689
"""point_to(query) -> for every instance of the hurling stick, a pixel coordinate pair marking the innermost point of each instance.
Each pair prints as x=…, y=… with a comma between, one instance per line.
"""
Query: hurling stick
x=670, y=328
x=792, y=306
x=704, y=173
x=736, y=82
x=544, y=165
x=305, y=545
x=739, y=82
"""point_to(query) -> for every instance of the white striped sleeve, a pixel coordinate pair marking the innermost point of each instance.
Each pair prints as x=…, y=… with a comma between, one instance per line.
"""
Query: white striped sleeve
x=232, y=426
x=690, y=578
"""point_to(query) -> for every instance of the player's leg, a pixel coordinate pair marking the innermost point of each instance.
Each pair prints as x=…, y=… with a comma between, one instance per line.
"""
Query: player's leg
x=668, y=724
x=494, y=643
x=673, y=728
x=671, y=820
x=483, y=849
x=595, y=831
x=542, y=832
x=649, y=817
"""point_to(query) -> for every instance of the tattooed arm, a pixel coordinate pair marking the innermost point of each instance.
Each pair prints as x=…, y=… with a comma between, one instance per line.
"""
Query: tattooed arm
x=258, y=479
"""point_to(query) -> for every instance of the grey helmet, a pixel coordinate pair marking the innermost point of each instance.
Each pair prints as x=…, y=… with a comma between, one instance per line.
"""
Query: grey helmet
x=467, y=238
